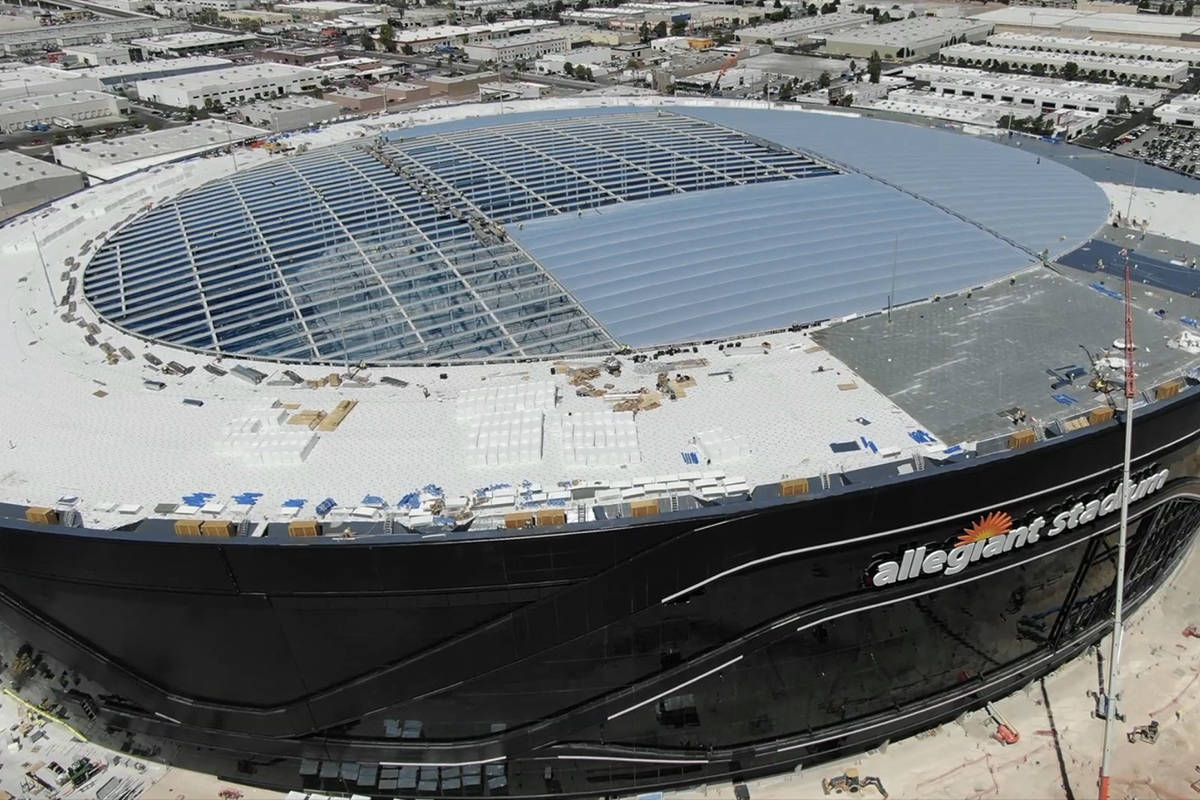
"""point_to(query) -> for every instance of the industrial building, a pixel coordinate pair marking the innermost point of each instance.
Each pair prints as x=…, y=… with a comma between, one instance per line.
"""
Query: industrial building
x=107, y=159
x=525, y=47
x=31, y=81
x=799, y=27
x=192, y=43
x=1162, y=73
x=316, y=10
x=1154, y=28
x=78, y=107
x=1097, y=47
x=906, y=38
x=398, y=92
x=295, y=56
x=598, y=59
x=56, y=37
x=1030, y=90
x=97, y=54
x=26, y=182
x=357, y=100
x=131, y=73
x=457, y=86
x=1183, y=110
x=229, y=86
x=288, y=113
x=982, y=113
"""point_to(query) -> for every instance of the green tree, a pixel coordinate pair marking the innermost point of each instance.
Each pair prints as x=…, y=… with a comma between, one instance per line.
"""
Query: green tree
x=387, y=37
x=679, y=26
x=580, y=72
x=824, y=80
x=1070, y=70
x=367, y=42
x=660, y=30
x=406, y=48
x=785, y=91
x=588, y=74
x=644, y=31
x=874, y=66
x=1124, y=106
x=568, y=69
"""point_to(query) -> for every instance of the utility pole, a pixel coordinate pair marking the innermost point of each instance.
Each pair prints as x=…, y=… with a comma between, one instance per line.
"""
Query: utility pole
x=1114, y=652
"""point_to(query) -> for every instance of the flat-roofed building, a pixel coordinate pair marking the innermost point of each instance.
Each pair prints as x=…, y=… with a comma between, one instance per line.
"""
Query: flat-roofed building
x=323, y=9
x=524, y=47
x=126, y=74
x=27, y=182
x=192, y=43
x=52, y=37
x=906, y=38
x=799, y=27
x=111, y=158
x=31, y=81
x=229, y=86
x=295, y=56
x=459, y=85
x=78, y=107
x=288, y=113
x=1030, y=90
x=983, y=113
x=1183, y=110
x=357, y=100
x=98, y=54
x=1163, y=73
x=1159, y=28
x=398, y=92
x=1097, y=47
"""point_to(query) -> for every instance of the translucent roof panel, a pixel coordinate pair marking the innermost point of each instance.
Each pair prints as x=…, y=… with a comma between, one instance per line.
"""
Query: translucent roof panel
x=752, y=258
x=394, y=250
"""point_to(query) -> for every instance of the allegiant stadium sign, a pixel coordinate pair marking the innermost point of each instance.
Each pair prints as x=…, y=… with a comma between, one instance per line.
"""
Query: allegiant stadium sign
x=993, y=534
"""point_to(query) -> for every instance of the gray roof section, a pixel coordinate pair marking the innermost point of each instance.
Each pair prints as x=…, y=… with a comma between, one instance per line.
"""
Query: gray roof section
x=732, y=261
x=1039, y=205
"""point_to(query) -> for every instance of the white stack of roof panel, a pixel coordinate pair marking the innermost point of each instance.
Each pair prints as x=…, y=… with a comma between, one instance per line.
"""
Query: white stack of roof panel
x=487, y=400
x=505, y=437
x=718, y=446
x=600, y=438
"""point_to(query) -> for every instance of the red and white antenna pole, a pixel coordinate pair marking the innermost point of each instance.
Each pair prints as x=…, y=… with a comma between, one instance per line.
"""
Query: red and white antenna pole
x=1114, y=652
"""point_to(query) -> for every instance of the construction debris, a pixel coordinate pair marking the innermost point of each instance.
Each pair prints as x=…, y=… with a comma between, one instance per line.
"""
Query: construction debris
x=1144, y=733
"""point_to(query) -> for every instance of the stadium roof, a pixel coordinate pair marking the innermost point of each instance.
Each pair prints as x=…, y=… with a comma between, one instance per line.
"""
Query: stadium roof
x=401, y=249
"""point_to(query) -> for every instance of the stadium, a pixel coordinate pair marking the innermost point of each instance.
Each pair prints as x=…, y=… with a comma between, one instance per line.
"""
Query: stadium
x=575, y=448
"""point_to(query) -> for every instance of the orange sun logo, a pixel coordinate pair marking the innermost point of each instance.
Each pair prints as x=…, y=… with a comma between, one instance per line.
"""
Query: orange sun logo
x=996, y=523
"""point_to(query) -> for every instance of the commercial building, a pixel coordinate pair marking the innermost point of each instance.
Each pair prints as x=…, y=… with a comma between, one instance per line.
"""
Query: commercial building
x=31, y=81
x=295, y=56
x=1155, y=28
x=111, y=158
x=906, y=38
x=1183, y=110
x=525, y=47
x=598, y=59
x=288, y=113
x=397, y=92
x=459, y=85
x=97, y=54
x=131, y=73
x=78, y=107
x=1163, y=73
x=229, y=86
x=799, y=27
x=316, y=10
x=192, y=43
x=1097, y=47
x=26, y=182
x=357, y=100
x=587, y=34
x=982, y=113
x=56, y=37
x=1029, y=90
x=512, y=90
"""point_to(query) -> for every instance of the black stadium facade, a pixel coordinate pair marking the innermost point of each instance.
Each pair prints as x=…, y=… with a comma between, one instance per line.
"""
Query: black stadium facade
x=722, y=638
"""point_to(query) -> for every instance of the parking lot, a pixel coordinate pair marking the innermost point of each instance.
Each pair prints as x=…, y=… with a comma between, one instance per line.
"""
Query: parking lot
x=1165, y=146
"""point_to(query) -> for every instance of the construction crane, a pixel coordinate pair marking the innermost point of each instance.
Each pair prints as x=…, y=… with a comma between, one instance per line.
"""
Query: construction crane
x=725, y=65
